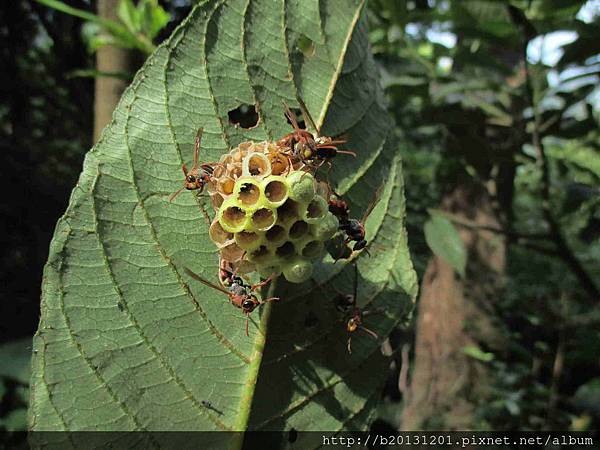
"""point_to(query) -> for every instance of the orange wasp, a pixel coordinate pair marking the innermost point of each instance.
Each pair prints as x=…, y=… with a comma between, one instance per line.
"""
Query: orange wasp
x=354, y=323
x=198, y=176
x=241, y=295
x=304, y=147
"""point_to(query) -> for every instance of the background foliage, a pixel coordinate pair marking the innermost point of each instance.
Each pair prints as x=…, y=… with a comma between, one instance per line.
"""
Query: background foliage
x=467, y=82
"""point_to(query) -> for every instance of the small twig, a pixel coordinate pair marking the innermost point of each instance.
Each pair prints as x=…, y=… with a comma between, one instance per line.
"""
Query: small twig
x=403, y=376
x=510, y=233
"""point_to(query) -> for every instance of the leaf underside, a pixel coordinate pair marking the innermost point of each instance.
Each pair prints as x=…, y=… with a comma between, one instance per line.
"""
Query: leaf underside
x=126, y=340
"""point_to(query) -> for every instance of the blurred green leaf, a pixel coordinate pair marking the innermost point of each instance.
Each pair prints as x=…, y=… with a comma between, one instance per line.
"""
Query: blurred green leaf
x=128, y=14
x=445, y=242
x=154, y=17
x=478, y=354
x=16, y=360
x=15, y=420
x=587, y=396
x=120, y=34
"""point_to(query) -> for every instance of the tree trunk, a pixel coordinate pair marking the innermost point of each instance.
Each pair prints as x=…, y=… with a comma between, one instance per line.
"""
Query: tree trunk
x=454, y=313
x=109, y=59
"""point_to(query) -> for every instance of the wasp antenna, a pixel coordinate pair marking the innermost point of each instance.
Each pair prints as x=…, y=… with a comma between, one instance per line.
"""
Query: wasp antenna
x=291, y=116
x=355, y=282
x=347, y=152
x=197, y=146
x=206, y=282
x=175, y=194
x=373, y=203
x=369, y=332
x=307, y=115
x=184, y=169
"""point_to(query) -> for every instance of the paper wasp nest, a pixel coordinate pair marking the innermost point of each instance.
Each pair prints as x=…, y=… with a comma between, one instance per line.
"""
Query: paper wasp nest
x=269, y=216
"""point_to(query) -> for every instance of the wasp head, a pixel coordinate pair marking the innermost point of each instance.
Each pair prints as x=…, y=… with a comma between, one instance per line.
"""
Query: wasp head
x=249, y=304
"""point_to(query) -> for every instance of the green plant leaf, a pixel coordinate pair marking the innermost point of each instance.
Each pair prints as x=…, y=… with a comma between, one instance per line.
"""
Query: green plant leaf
x=126, y=340
x=444, y=241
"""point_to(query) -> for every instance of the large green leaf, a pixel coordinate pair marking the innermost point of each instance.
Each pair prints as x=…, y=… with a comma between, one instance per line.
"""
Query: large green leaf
x=126, y=340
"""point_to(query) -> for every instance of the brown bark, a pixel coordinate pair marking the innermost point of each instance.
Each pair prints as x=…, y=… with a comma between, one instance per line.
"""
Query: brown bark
x=454, y=313
x=109, y=59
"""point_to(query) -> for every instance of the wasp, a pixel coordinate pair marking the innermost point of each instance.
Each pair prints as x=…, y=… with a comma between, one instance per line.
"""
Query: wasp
x=199, y=175
x=347, y=304
x=241, y=295
x=312, y=151
x=353, y=228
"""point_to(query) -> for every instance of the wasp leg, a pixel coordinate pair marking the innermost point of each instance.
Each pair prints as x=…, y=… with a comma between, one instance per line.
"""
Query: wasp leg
x=262, y=283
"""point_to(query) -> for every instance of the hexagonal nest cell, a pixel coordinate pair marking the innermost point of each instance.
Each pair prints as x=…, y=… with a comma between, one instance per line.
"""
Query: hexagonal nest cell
x=270, y=216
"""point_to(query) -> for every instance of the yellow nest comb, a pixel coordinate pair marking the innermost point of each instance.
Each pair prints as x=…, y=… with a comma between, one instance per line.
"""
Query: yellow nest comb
x=269, y=216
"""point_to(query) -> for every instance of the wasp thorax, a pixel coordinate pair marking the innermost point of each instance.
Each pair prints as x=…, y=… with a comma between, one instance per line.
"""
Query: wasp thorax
x=270, y=218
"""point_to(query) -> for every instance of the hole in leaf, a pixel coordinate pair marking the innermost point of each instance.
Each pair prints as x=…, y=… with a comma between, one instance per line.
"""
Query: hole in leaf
x=299, y=116
x=306, y=46
x=244, y=116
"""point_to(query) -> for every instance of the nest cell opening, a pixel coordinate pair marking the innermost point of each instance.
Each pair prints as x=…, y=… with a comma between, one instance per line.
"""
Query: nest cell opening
x=288, y=211
x=225, y=185
x=263, y=218
x=298, y=229
x=219, y=171
x=256, y=165
x=247, y=239
x=216, y=200
x=285, y=250
x=275, y=234
x=314, y=210
x=232, y=252
x=248, y=194
x=218, y=235
x=279, y=163
x=276, y=191
x=261, y=254
x=312, y=249
x=235, y=172
x=233, y=217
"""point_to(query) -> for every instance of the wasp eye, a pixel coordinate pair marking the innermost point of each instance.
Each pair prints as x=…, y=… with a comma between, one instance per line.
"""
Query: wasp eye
x=191, y=178
x=248, y=304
